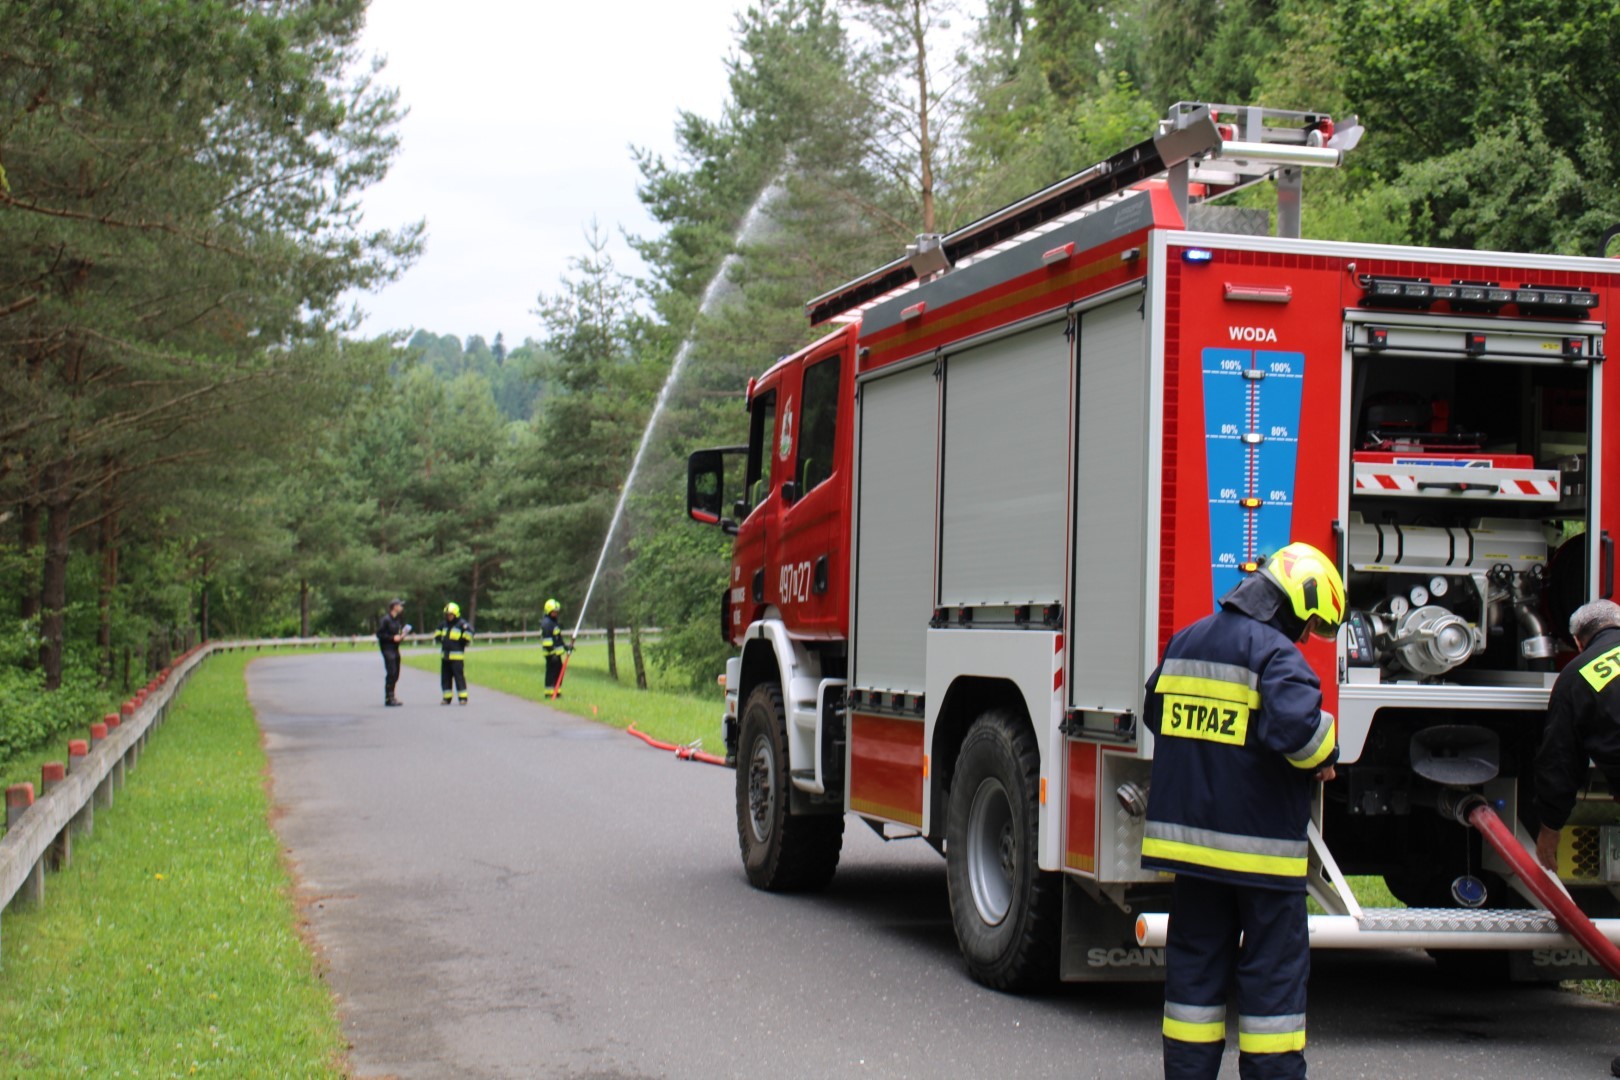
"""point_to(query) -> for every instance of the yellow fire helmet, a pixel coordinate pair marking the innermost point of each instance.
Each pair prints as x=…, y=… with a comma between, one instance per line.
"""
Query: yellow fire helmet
x=552, y=607
x=1312, y=584
x=453, y=610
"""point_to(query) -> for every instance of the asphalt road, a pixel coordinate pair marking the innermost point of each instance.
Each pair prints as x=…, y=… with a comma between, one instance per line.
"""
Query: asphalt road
x=502, y=890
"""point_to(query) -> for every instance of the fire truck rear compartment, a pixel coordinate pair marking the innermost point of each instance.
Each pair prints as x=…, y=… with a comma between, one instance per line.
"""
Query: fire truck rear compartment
x=1468, y=504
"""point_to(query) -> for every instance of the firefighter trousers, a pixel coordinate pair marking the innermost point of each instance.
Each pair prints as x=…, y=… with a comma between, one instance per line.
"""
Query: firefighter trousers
x=1203, y=959
x=453, y=671
x=553, y=669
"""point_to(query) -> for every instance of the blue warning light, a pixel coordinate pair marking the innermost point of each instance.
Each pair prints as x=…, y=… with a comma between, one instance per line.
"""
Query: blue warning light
x=1197, y=255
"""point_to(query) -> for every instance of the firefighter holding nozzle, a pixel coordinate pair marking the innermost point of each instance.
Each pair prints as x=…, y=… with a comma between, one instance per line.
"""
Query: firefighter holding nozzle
x=453, y=637
x=1241, y=742
x=551, y=644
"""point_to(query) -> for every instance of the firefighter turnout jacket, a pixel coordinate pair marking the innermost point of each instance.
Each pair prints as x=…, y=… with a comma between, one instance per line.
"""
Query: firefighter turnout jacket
x=1240, y=733
x=1583, y=721
x=454, y=637
x=551, y=636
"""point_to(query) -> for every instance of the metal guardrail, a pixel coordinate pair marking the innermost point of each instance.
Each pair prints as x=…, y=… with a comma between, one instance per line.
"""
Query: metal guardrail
x=414, y=639
x=40, y=831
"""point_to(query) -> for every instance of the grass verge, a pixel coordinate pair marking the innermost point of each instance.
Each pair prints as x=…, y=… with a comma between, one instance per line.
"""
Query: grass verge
x=169, y=947
x=662, y=711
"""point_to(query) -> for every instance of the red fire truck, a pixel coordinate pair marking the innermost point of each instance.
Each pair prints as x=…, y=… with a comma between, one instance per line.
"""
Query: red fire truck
x=969, y=518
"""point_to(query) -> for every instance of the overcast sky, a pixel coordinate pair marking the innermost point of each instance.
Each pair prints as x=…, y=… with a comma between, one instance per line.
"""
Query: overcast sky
x=522, y=115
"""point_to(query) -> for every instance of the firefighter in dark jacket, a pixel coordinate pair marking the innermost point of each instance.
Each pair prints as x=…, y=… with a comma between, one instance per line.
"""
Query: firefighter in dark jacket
x=391, y=630
x=453, y=638
x=551, y=643
x=1583, y=724
x=1241, y=742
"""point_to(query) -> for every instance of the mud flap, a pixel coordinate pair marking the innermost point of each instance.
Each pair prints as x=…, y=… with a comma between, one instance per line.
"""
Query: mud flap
x=1553, y=965
x=1099, y=940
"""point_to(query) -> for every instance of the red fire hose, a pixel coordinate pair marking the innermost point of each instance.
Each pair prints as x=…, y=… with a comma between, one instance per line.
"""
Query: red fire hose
x=685, y=753
x=1478, y=813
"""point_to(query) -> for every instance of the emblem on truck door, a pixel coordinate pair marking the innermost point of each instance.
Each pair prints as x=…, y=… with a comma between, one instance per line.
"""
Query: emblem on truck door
x=785, y=446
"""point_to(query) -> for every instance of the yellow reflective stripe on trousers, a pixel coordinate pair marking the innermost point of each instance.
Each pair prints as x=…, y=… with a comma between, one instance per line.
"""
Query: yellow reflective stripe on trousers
x=1256, y=1042
x=1194, y=1023
x=1222, y=859
x=454, y=656
x=1184, y=1031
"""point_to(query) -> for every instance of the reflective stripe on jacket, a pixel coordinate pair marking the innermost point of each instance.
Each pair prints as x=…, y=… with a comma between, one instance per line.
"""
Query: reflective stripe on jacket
x=453, y=638
x=1240, y=732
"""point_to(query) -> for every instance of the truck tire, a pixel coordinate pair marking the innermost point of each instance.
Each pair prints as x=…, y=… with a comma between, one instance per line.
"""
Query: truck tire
x=1007, y=911
x=781, y=851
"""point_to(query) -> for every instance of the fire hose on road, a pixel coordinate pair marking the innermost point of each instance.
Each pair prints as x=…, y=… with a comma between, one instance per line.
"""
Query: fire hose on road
x=1475, y=811
x=685, y=753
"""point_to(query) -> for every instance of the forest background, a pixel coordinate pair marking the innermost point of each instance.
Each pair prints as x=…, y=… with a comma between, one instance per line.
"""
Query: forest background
x=195, y=443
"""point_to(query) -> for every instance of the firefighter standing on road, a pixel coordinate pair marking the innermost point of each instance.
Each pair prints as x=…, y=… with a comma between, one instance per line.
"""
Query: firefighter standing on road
x=391, y=630
x=453, y=638
x=1241, y=743
x=551, y=643
x=1583, y=723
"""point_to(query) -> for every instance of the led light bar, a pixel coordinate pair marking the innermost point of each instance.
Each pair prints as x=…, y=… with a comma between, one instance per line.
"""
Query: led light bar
x=1479, y=297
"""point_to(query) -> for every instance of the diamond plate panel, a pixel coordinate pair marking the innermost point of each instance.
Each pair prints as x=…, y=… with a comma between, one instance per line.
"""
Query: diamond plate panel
x=1433, y=920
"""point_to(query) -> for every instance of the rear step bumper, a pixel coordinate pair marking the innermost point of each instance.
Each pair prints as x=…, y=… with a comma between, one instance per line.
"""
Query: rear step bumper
x=1420, y=928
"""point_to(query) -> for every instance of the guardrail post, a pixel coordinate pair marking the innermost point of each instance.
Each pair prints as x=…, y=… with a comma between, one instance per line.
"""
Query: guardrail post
x=19, y=797
x=104, y=790
x=51, y=774
x=112, y=721
x=84, y=822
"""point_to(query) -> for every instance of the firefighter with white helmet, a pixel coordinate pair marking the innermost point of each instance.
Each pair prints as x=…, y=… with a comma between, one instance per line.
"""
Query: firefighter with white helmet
x=453, y=636
x=1241, y=742
x=551, y=643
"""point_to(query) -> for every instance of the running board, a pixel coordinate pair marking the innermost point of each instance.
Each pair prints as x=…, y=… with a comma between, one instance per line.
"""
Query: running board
x=1420, y=928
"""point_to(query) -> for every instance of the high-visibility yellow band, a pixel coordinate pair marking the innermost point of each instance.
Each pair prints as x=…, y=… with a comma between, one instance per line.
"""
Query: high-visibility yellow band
x=1218, y=689
x=1321, y=755
x=454, y=656
x=1601, y=671
x=1218, y=859
x=1204, y=718
x=1254, y=1043
x=1186, y=1031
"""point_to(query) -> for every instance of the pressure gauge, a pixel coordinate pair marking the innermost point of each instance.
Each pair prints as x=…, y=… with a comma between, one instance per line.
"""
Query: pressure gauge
x=1438, y=586
x=1398, y=606
x=1419, y=595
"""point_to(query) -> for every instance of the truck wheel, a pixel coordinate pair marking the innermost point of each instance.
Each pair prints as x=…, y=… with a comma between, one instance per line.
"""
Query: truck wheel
x=781, y=851
x=1007, y=911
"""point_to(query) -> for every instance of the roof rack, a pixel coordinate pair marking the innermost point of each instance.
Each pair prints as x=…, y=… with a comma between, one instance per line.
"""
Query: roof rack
x=1222, y=148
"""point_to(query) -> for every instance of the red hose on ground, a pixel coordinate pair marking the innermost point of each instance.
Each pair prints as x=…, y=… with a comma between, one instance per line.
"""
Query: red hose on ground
x=685, y=753
x=1571, y=918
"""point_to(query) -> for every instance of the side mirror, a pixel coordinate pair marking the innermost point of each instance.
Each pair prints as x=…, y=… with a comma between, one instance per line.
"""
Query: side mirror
x=706, y=485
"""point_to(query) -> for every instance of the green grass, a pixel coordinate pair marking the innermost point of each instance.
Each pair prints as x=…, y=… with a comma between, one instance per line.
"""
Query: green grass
x=170, y=947
x=664, y=712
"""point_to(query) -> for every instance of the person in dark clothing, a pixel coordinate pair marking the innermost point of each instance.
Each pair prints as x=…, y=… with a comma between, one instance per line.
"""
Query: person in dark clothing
x=1583, y=724
x=453, y=638
x=391, y=630
x=1240, y=743
x=551, y=643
